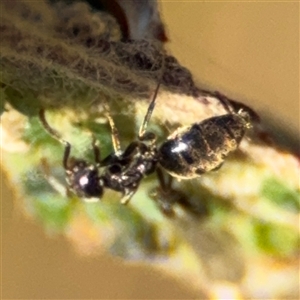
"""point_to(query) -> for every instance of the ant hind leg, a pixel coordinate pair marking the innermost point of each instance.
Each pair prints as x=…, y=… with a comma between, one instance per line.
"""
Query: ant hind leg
x=165, y=196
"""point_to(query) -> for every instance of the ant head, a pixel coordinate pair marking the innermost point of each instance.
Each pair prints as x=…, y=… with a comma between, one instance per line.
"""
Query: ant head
x=84, y=180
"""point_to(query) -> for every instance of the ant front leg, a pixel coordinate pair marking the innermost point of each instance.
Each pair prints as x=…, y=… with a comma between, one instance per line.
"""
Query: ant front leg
x=66, y=155
x=128, y=195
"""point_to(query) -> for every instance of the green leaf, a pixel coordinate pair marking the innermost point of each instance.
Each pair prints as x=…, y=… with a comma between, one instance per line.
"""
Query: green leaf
x=280, y=194
x=275, y=239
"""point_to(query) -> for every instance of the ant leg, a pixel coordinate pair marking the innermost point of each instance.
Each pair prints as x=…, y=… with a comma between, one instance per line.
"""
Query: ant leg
x=165, y=198
x=143, y=134
x=166, y=185
x=66, y=155
x=57, y=136
x=97, y=153
x=246, y=113
x=169, y=183
x=128, y=195
x=225, y=102
x=161, y=179
x=114, y=135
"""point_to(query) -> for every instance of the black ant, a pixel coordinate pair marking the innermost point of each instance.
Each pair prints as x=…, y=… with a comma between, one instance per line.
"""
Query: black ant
x=187, y=153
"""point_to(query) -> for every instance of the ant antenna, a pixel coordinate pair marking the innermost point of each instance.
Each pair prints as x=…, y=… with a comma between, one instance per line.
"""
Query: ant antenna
x=148, y=114
x=49, y=129
x=114, y=135
x=151, y=106
x=57, y=136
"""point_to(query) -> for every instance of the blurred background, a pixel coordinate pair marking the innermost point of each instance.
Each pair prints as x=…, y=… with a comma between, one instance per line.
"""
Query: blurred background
x=247, y=50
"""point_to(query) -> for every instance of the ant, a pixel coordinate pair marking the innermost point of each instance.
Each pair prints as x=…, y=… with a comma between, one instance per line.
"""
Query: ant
x=187, y=153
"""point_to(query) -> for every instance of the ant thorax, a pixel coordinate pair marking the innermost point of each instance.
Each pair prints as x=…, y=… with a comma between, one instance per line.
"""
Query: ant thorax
x=125, y=171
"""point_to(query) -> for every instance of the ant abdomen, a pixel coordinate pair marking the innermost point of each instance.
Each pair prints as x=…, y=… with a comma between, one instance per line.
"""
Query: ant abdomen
x=202, y=147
